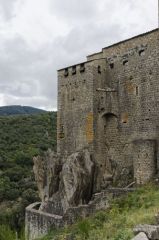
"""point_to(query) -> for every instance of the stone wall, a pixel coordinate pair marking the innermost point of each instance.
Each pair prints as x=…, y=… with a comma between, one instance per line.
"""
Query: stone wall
x=126, y=109
x=145, y=160
x=75, y=109
x=38, y=223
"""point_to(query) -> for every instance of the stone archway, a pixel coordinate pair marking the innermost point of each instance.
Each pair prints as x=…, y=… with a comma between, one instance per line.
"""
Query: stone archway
x=110, y=126
x=110, y=145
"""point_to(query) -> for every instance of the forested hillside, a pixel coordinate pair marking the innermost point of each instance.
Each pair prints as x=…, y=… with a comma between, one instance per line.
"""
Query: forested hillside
x=21, y=138
x=19, y=110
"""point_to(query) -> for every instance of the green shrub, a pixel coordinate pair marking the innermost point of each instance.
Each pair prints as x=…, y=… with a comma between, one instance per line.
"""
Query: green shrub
x=23, y=159
x=21, y=138
x=125, y=234
x=6, y=233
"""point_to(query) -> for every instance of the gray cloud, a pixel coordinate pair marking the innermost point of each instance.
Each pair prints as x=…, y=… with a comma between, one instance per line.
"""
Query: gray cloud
x=28, y=72
x=78, y=11
x=7, y=8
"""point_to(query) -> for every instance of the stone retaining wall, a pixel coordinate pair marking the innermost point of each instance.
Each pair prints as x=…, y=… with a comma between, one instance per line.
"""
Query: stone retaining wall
x=38, y=223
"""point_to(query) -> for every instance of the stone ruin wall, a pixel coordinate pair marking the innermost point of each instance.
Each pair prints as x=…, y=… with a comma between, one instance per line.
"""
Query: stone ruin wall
x=38, y=223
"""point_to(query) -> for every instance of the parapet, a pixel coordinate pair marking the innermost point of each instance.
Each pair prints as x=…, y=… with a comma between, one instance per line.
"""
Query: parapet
x=123, y=46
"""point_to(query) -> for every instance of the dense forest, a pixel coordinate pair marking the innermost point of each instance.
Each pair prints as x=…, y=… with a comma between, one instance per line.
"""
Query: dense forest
x=21, y=138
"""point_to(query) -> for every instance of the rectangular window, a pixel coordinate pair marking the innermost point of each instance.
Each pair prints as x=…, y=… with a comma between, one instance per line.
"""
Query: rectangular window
x=82, y=67
x=73, y=70
x=66, y=72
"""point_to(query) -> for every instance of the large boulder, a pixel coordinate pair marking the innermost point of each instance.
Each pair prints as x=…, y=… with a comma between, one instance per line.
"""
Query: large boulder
x=47, y=170
x=140, y=236
x=151, y=231
x=64, y=183
x=77, y=178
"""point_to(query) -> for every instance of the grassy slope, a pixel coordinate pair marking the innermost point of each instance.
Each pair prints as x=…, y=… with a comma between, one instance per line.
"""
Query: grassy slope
x=117, y=222
x=21, y=137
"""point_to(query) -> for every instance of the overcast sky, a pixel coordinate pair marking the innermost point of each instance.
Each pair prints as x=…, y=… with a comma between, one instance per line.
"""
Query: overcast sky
x=37, y=37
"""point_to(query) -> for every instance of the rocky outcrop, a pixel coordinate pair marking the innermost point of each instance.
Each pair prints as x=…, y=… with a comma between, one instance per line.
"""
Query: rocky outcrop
x=77, y=178
x=47, y=170
x=64, y=183
x=140, y=236
x=151, y=231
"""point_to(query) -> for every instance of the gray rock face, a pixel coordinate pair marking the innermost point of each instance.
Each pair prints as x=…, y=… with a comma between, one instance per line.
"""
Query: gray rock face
x=47, y=170
x=157, y=218
x=77, y=176
x=63, y=186
x=151, y=231
x=140, y=236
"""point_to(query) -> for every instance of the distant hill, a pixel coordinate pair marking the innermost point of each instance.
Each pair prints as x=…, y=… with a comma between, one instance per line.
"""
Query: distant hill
x=19, y=110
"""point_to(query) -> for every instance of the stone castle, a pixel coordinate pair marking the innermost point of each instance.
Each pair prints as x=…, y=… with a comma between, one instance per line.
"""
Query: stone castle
x=107, y=133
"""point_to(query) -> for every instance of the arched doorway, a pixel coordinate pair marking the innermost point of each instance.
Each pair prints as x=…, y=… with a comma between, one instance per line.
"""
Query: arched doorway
x=109, y=140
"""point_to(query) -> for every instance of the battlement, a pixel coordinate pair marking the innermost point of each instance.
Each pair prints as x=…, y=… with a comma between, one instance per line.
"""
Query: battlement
x=120, y=51
x=72, y=68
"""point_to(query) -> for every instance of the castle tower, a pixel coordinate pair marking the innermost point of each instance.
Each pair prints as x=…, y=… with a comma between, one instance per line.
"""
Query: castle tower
x=75, y=108
x=109, y=103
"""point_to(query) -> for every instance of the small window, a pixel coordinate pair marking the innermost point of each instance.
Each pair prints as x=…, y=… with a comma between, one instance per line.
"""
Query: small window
x=137, y=90
x=82, y=67
x=141, y=52
x=73, y=70
x=124, y=121
x=99, y=69
x=66, y=72
x=124, y=117
x=125, y=62
x=111, y=65
x=61, y=132
x=62, y=128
